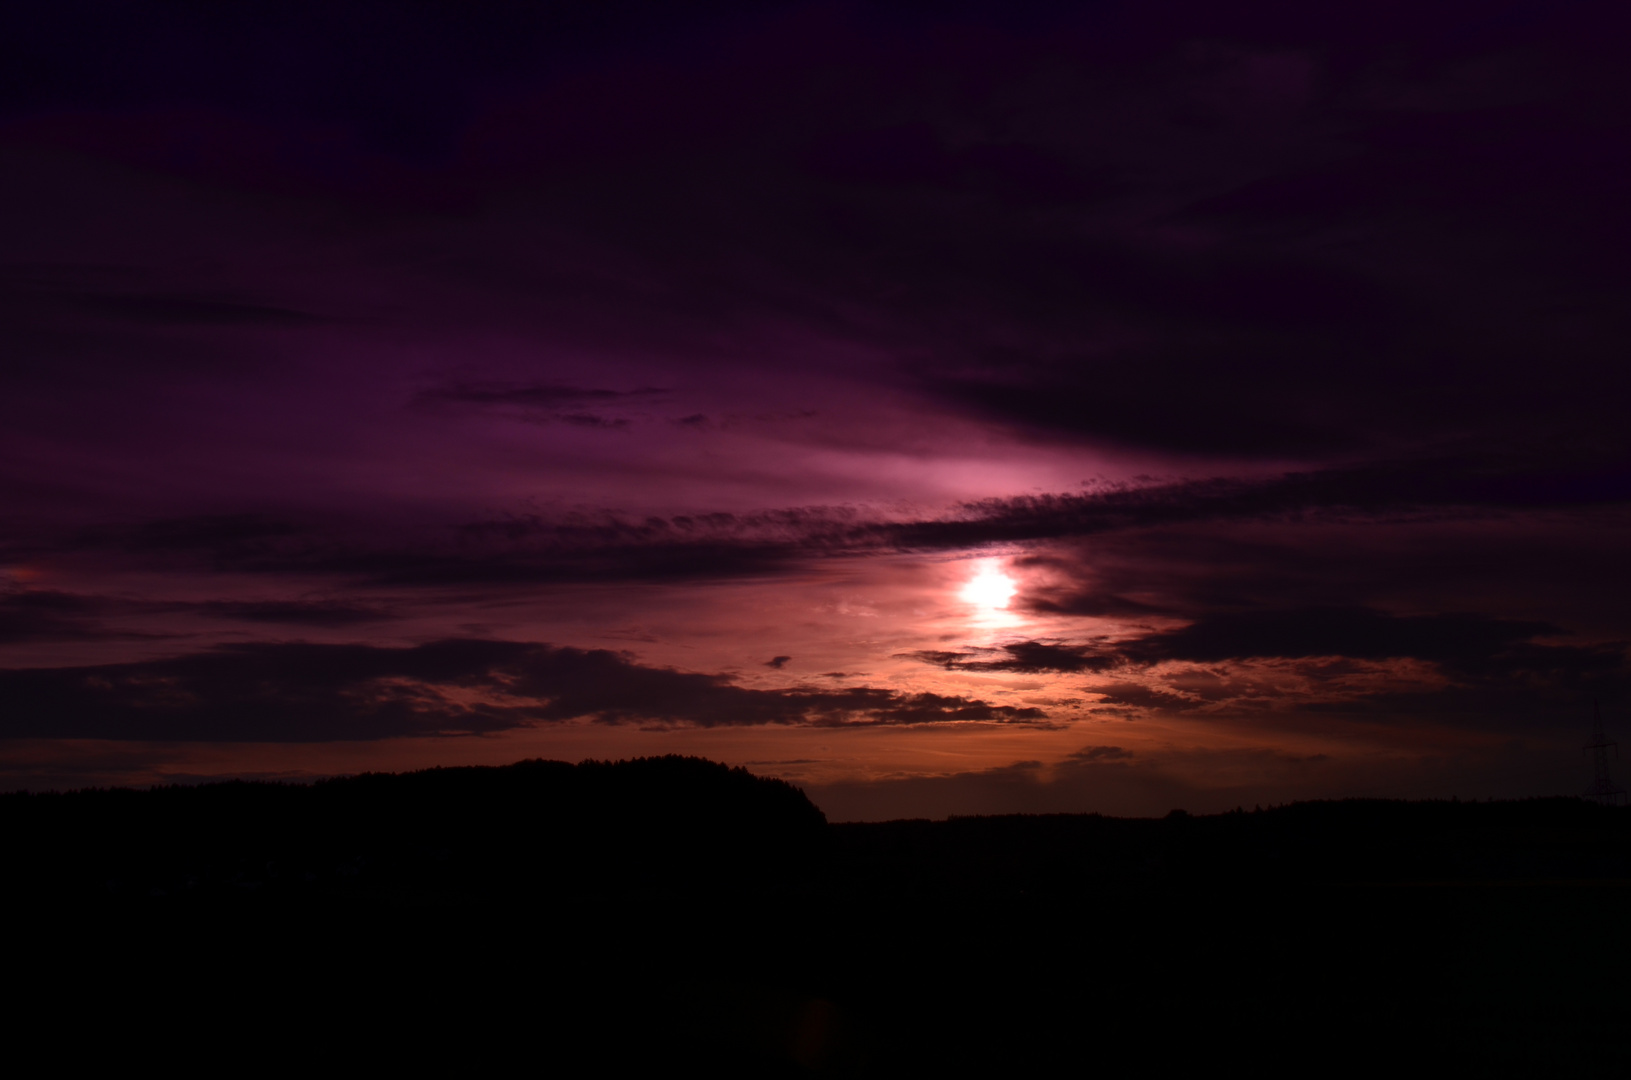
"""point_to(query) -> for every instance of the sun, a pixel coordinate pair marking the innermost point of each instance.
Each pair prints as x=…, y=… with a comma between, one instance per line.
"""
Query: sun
x=989, y=589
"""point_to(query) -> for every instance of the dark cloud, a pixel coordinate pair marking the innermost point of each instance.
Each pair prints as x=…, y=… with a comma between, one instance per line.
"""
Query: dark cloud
x=409, y=94
x=297, y=612
x=1267, y=311
x=1122, y=695
x=777, y=662
x=665, y=560
x=51, y=293
x=1023, y=656
x=538, y=403
x=46, y=615
x=1489, y=673
x=1102, y=753
x=1458, y=640
x=928, y=708
x=1291, y=331
x=183, y=310
x=605, y=547
x=1036, y=656
x=512, y=550
x=591, y=420
x=50, y=615
x=530, y=395
x=1489, y=667
x=1555, y=567
x=914, y=155
x=223, y=537
x=1380, y=490
x=1462, y=642
x=610, y=546
x=1269, y=231
x=946, y=658
x=272, y=692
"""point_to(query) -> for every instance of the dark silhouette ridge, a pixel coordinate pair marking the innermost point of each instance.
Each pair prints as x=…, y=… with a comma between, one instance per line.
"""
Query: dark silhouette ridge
x=671, y=913
x=531, y=825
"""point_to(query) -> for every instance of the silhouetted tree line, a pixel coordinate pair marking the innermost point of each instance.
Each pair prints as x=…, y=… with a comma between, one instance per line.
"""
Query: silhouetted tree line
x=1350, y=841
x=536, y=826
x=683, y=826
x=640, y=915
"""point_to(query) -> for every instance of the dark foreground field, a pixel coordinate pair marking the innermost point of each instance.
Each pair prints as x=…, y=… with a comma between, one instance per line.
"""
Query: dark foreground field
x=664, y=914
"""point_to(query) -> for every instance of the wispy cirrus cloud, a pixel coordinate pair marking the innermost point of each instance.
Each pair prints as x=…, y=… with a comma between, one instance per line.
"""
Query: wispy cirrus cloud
x=1028, y=657
x=296, y=692
x=1327, y=660
x=610, y=545
x=559, y=403
x=526, y=395
x=47, y=614
x=36, y=615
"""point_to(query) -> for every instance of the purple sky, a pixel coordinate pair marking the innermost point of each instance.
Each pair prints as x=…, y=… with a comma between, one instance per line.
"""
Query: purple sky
x=389, y=385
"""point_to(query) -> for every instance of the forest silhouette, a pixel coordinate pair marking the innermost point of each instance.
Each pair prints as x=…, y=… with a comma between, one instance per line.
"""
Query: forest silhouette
x=673, y=912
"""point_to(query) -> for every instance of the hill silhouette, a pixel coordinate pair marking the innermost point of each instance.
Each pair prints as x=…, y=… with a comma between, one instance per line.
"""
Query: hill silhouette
x=528, y=826
x=674, y=913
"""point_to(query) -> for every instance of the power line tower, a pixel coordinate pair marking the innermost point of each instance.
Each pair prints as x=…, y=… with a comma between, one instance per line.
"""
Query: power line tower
x=1603, y=788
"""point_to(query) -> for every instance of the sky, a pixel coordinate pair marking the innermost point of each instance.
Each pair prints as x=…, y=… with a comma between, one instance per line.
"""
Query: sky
x=950, y=408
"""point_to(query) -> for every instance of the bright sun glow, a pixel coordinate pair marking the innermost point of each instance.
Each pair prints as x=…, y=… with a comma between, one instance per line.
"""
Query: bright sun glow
x=989, y=589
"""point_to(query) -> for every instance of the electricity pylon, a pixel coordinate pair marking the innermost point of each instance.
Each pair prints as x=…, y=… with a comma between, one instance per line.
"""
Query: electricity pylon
x=1603, y=788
